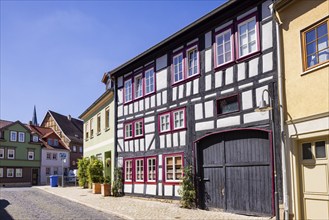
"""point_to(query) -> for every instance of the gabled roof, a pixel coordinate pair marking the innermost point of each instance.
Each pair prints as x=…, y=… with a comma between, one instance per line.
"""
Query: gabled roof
x=44, y=132
x=5, y=124
x=72, y=128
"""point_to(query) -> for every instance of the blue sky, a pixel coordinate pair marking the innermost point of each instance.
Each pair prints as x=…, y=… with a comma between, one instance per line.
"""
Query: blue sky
x=54, y=53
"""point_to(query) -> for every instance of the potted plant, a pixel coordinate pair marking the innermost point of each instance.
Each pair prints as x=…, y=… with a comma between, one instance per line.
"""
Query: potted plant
x=83, y=165
x=117, y=188
x=106, y=186
x=95, y=173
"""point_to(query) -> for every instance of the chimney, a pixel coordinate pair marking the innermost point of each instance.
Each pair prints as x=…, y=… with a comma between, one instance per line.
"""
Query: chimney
x=69, y=117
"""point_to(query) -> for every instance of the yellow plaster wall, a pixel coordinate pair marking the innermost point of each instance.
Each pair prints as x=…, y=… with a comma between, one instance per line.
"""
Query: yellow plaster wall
x=307, y=94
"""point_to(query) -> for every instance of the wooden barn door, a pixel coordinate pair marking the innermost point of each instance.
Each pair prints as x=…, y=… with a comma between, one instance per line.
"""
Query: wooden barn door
x=236, y=172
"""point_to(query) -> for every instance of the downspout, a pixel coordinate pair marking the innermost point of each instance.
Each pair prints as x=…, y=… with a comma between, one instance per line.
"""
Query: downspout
x=278, y=22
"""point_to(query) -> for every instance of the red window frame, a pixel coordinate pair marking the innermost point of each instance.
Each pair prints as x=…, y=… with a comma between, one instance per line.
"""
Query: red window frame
x=133, y=127
x=172, y=121
x=133, y=162
x=164, y=170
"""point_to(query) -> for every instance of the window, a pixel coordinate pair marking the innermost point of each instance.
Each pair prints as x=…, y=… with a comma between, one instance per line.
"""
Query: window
x=2, y=153
x=247, y=37
x=1, y=172
x=86, y=131
x=138, y=86
x=13, y=136
x=224, y=47
x=227, y=105
x=19, y=172
x=192, y=61
x=315, y=45
x=30, y=155
x=98, y=123
x=74, y=148
x=128, y=171
x=10, y=172
x=11, y=154
x=149, y=81
x=173, y=167
x=178, y=68
x=54, y=156
x=35, y=138
x=80, y=149
x=99, y=157
x=139, y=170
x=134, y=129
x=128, y=90
x=21, y=137
x=172, y=121
x=55, y=142
x=151, y=169
x=55, y=172
x=91, y=128
x=314, y=150
x=50, y=141
x=47, y=170
x=48, y=156
x=320, y=149
x=107, y=118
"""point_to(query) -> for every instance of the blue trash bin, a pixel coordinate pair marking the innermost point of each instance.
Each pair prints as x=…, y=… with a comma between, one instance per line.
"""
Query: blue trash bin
x=53, y=181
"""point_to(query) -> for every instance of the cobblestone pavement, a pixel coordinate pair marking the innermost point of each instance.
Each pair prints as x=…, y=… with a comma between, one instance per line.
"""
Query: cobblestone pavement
x=25, y=203
x=139, y=208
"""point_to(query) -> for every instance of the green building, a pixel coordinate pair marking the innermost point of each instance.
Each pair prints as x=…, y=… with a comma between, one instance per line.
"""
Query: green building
x=20, y=155
x=98, y=130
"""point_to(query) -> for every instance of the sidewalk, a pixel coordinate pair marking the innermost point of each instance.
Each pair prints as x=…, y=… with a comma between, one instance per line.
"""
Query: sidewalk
x=138, y=208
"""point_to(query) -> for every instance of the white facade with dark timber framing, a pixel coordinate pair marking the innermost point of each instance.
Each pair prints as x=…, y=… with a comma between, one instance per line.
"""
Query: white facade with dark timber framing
x=190, y=100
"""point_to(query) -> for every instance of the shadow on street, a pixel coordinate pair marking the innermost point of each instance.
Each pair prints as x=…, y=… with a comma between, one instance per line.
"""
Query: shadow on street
x=3, y=213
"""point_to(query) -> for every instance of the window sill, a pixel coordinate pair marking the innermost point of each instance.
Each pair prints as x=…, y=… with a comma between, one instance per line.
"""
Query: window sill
x=247, y=57
x=224, y=66
x=315, y=68
x=134, y=138
x=172, y=131
x=186, y=80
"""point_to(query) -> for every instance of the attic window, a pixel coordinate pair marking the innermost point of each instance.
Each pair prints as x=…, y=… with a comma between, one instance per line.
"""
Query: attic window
x=35, y=138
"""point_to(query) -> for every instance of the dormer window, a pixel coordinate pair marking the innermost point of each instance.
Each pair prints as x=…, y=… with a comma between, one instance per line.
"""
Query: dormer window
x=50, y=141
x=35, y=138
x=55, y=142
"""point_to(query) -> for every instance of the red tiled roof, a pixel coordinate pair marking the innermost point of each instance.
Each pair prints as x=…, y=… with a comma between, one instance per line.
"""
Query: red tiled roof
x=4, y=123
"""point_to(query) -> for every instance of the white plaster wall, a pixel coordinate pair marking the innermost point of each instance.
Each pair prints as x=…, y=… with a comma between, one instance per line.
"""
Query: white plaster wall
x=208, y=37
x=241, y=71
x=148, y=139
x=247, y=100
x=136, y=105
x=160, y=189
x=229, y=76
x=139, y=188
x=246, y=85
x=120, y=96
x=175, y=139
x=161, y=62
x=196, y=86
x=164, y=97
x=188, y=88
x=180, y=91
x=198, y=109
x=142, y=144
x=120, y=111
x=120, y=133
x=253, y=67
x=161, y=79
x=204, y=125
x=228, y=121
x=174, y=93
x=168, y=140
x=151, y=189
x=147, y=102
x=168, y=190
x=125, y=109
x=152, y=101
x=130, y=107
x=148, y=119
x=227, y=91
x=208, y=56
x=209, y=109
x=160, y=169
x=218, y=79
x=259, y=92
x=176, y=190
x=255, y=116
x=268, y=62
x=127, y=188
x=208, y=82
x=265, y=79
x=120, y=141
x=159, y=100
x=182, y=137
x=162, y=141
x=267, y=36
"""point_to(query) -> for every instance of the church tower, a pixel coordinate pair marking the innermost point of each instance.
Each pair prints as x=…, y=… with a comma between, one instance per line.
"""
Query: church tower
x=34, y=118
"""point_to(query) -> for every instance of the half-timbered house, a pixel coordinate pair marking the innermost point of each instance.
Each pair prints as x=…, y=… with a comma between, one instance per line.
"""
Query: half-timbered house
x=190, y=100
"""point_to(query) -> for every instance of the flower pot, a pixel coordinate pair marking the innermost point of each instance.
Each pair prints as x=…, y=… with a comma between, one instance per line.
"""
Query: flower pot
x=96, y=188
x=106, y=189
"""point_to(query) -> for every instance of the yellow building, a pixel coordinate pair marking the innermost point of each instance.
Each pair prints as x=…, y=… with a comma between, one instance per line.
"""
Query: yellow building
x=304, y=32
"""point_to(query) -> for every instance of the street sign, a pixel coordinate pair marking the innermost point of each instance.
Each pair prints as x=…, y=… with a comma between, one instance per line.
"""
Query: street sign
x=62, y=155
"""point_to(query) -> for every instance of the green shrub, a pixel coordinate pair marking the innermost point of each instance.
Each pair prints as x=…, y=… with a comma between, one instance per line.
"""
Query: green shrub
x=187, y=190
x=117, y=182
x=83, y=165
x=95, y=171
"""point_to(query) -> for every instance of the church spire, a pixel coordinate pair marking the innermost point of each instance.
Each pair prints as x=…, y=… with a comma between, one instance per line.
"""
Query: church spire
x=34, y=118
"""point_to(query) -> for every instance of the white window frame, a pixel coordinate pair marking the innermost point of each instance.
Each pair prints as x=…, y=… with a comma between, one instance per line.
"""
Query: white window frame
x=48, y=158
x=151, y=169
x=128, y=170
x=130, y=128
x=10, y=171
x=13, y=138
x=138, y=86
x=35, y=138
x=174, y=119
x=195, y=63
x=87, y=130
x=13, y=153
x=245, y=22
x=165, y=122
x=139, y=125
x=178, y=65
x=128, y=90
x=1, y=172
x=107, y=118
x=139, y=170
x=99, y=123
x=18, y=172
x=21, y=137
x=54, y=156
x=30, y=155
x=2, y=153
x=91, y=128
x=175, y=180
x=149, y=81
x=222, y=34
